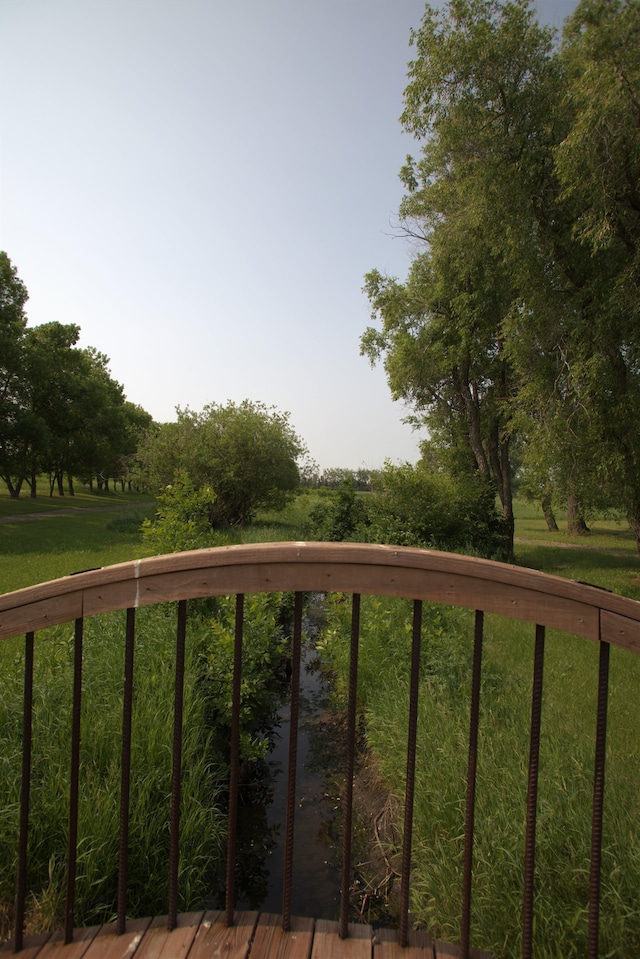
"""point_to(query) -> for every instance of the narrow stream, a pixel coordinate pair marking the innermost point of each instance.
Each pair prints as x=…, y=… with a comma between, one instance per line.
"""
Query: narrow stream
x=316, y=879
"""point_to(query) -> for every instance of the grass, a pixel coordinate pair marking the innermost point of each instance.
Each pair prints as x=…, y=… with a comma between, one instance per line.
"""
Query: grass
x=606, y=557
x=204, y=772
x=31, y=551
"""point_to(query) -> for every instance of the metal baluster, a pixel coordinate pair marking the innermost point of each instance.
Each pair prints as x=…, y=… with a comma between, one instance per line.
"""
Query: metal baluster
x=598, y=802
x=125, y=771
x=350, y=763
x=405, y=874
x=174, y=826
x=235, y=760
x=472, y=766
x=74, y=784
x=293, y=756
x=532, y=796
x=25, y=789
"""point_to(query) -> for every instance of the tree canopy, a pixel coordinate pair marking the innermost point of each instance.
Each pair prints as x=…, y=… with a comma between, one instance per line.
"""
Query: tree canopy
x=246, y=453
x=61, y=412
x=516, y=330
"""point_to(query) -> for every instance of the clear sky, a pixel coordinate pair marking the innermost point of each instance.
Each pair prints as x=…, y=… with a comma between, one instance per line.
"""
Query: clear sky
x=201, y=186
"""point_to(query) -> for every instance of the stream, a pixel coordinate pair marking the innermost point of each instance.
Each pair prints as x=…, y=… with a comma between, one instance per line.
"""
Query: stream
x=262, y=814
x=262, y=802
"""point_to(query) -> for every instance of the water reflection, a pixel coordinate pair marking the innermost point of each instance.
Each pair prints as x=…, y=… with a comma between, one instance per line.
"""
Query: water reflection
x=262, y=810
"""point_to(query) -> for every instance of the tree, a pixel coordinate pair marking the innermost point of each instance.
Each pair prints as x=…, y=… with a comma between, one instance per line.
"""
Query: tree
x=60, y=410
x=598, y=164
x=575, y=342
x=477, y=103
x=14, y=413
x=245, y=452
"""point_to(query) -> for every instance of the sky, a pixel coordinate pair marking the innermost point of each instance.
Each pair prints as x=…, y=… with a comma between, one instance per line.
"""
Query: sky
x=201, y=186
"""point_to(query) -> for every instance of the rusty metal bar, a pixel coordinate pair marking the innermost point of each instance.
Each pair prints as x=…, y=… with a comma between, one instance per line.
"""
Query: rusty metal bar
x=598, y=802
x=293, y=758
x=532, y=796
x=472, y=767
x=235, y=761
x=75, y=780
x=176, y=770
x=125, y=771
x=25, y=791
x=407, y=836
x=343, y=930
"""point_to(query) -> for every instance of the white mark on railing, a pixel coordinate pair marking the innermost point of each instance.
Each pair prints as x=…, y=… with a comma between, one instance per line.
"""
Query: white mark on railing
x=133, y=945
x=136, y=575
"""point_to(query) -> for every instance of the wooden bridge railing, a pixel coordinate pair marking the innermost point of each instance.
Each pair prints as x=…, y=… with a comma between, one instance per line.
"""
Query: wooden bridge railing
x=419, y=575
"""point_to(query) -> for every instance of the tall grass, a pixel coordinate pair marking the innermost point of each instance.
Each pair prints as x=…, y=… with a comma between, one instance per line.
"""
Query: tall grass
x=204, y=772
x=566, y=774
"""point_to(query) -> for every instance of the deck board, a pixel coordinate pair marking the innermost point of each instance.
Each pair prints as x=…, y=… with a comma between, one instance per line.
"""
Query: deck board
x=204, y=935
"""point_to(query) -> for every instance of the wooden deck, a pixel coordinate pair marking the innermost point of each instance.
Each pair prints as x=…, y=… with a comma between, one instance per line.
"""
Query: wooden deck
x=203, y=935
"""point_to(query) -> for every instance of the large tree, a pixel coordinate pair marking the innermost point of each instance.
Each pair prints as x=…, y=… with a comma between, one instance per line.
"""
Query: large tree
x=246, y=453
x=15, y=419
x=478, y=103
x=525, y=196
x=61, y=412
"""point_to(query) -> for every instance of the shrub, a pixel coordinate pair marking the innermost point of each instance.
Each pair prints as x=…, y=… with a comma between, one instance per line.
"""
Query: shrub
x=413, y=506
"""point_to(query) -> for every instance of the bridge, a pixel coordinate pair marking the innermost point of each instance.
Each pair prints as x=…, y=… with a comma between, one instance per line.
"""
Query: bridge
x=422, y=576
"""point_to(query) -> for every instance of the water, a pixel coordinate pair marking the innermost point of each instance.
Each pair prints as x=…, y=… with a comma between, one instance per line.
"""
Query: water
x=262, y=813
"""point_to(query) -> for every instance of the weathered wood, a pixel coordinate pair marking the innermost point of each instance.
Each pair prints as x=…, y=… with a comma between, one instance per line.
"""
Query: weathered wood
x=620, y=630
x=343, y=567
x=270, y=942
x=327, y=944
x=109, y=945
x=56, y=948
x=31, y=946
x=201, y=935
x=215, y=939
x=386, y=945
x=159, y=942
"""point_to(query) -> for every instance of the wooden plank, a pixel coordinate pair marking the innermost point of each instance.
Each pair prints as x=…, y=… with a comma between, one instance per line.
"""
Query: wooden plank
x=327, y=944
x=160, y=943
x=31, y=945
x=56, y=948
x=109, y=945
x=215, y=939
x=270, y=942
x=396, y=571
x=47, y=612
x=620, y=630
x=386, y=945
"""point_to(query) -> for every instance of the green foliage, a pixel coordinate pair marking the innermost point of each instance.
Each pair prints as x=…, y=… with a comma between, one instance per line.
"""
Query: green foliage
x=341, y=515
x=182, y=519
x=60, y=410
x=566, y=772
x=517, y=323
x=265, y=655
x=204, y=771
x=246, y=453
x=414, y=506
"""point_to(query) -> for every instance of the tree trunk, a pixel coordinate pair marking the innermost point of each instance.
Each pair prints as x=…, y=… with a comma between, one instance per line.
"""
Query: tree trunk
x=575, y=516
x=33, y=485
x=60, y=482
x=72, y=491
x=552, y=526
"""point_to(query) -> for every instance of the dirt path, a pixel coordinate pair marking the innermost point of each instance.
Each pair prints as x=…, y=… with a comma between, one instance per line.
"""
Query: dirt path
x=69, y=512
x=612, y=551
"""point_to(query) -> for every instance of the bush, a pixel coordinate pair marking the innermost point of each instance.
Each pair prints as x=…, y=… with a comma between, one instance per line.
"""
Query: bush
x=413, y=506
x=338, y=516
x=182, y=519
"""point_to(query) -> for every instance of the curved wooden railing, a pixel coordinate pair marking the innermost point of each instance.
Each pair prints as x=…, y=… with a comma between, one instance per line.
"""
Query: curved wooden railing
x=419, y=575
